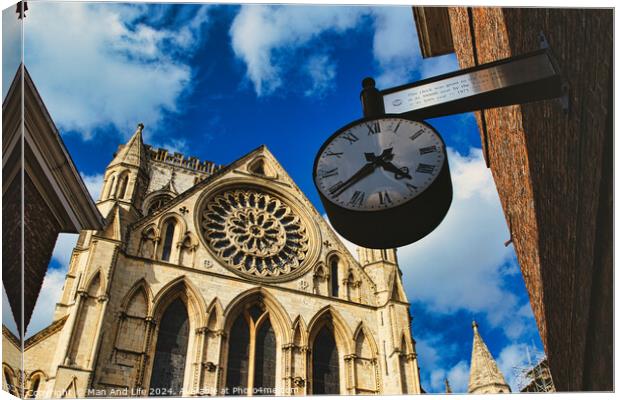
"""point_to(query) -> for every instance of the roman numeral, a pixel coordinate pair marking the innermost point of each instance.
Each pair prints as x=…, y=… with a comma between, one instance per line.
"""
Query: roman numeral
x=428, y=149
x=333, y=189
x=417, y=134
x=357, y=199
x=373, y=128
x=384, y=198
x=425, y=168
x=328, y=173
x=411, y=187
x=331, y=153
x=397, y=126
x=350, y=137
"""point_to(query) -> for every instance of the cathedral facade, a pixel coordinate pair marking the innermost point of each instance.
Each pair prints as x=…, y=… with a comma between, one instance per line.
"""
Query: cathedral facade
x=215, y=280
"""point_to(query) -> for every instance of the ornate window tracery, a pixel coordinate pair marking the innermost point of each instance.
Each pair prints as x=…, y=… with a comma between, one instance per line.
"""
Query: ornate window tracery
x=170, y=352
x=254, y=233
x=158, y=202
x=325, y=367
x=251, y=366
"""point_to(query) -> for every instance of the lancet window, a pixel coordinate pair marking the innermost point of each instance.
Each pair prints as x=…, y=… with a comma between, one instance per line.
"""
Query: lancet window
x=325, y=367
x=251, y=366
x=333, y=266
x=170, y=351
x=168, y=238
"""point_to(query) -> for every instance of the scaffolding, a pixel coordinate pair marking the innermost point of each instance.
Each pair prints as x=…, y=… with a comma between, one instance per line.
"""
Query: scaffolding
x=535, y=375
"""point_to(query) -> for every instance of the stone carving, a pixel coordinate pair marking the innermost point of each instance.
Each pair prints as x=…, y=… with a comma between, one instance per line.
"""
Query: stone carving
x=255, y=233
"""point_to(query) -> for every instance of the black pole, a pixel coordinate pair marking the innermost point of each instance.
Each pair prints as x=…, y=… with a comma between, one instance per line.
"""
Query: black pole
x=372, y=99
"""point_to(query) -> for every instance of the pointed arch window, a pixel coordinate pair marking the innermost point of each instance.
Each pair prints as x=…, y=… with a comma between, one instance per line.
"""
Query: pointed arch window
x=333, y=266
x=122, y=188
x=402, y=362
x=110, y=189
x=34, y=387
x=325, y=364
x=170, y=352
x=158, y=202
x=169, y=236
x=251, y=366
x=9, y=378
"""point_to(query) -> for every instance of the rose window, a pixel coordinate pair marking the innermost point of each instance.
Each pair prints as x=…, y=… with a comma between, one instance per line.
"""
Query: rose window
x=254, y=232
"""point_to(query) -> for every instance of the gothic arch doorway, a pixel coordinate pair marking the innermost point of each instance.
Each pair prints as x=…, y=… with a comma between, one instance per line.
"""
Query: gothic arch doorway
x=325, y=364
x=170, y=351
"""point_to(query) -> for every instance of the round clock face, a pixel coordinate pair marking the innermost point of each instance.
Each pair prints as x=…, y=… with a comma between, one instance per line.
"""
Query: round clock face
x=379, y=163
x=254, y=233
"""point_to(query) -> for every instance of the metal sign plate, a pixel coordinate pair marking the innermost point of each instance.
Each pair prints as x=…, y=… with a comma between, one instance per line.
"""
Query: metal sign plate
x=455, y=86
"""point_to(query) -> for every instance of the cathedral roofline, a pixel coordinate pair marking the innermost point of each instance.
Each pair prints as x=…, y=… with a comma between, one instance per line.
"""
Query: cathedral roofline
x=177, y=159
x=176, y=200
x=45, y=332
x=10, y=336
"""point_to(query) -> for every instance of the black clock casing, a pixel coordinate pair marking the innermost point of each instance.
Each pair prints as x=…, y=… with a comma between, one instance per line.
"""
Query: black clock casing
x=390, y=227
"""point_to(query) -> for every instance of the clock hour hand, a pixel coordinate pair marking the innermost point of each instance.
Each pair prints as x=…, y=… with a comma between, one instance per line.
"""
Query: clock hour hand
x=367, y=169
x=399, y=173
x=384, y=161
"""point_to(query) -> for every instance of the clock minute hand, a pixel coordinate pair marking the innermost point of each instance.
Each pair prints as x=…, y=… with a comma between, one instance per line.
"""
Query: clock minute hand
x=359, y=175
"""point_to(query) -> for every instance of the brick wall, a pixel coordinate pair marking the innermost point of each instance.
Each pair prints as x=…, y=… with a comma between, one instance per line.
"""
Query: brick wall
x=553, y=174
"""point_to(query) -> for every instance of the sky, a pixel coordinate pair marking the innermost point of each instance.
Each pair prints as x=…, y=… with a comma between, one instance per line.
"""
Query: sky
x=216, y=81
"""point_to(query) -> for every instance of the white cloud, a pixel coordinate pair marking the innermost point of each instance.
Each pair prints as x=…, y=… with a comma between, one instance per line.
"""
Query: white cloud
x=11, y=47
x=94, y=184
x=263, y=37
x=460, y=266
x=439, y=65
x=51, y=290
x=395, y=45
x=52, y=283
x=266, y=37
x=515, y=359
x=458, y=377
x=63, y=248
x=322, y=72
x=97, y=65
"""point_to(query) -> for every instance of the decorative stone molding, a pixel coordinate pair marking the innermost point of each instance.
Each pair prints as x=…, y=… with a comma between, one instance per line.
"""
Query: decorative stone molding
x=209, y=366
x=255, y=233
x=298, y=381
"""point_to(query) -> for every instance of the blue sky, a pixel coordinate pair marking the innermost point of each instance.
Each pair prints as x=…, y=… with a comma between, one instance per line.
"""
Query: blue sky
x=217, y=81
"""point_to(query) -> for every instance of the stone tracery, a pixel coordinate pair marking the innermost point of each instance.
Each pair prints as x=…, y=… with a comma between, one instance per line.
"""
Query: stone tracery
x=255, y=233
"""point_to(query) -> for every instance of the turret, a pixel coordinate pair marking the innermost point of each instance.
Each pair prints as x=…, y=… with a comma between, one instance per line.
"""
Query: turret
x=126, y=176
x=484, y=376
x=382, y=266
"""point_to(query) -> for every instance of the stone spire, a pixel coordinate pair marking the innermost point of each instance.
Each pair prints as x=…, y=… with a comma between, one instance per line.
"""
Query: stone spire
x=133, y=152
x=448, y=388
x=484, y=376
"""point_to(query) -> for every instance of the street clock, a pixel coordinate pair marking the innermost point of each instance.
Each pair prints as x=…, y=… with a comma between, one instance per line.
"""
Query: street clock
x=384, y=181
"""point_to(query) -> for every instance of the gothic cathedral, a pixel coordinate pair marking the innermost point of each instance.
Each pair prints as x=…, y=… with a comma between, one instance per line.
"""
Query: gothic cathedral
x=215, y=280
